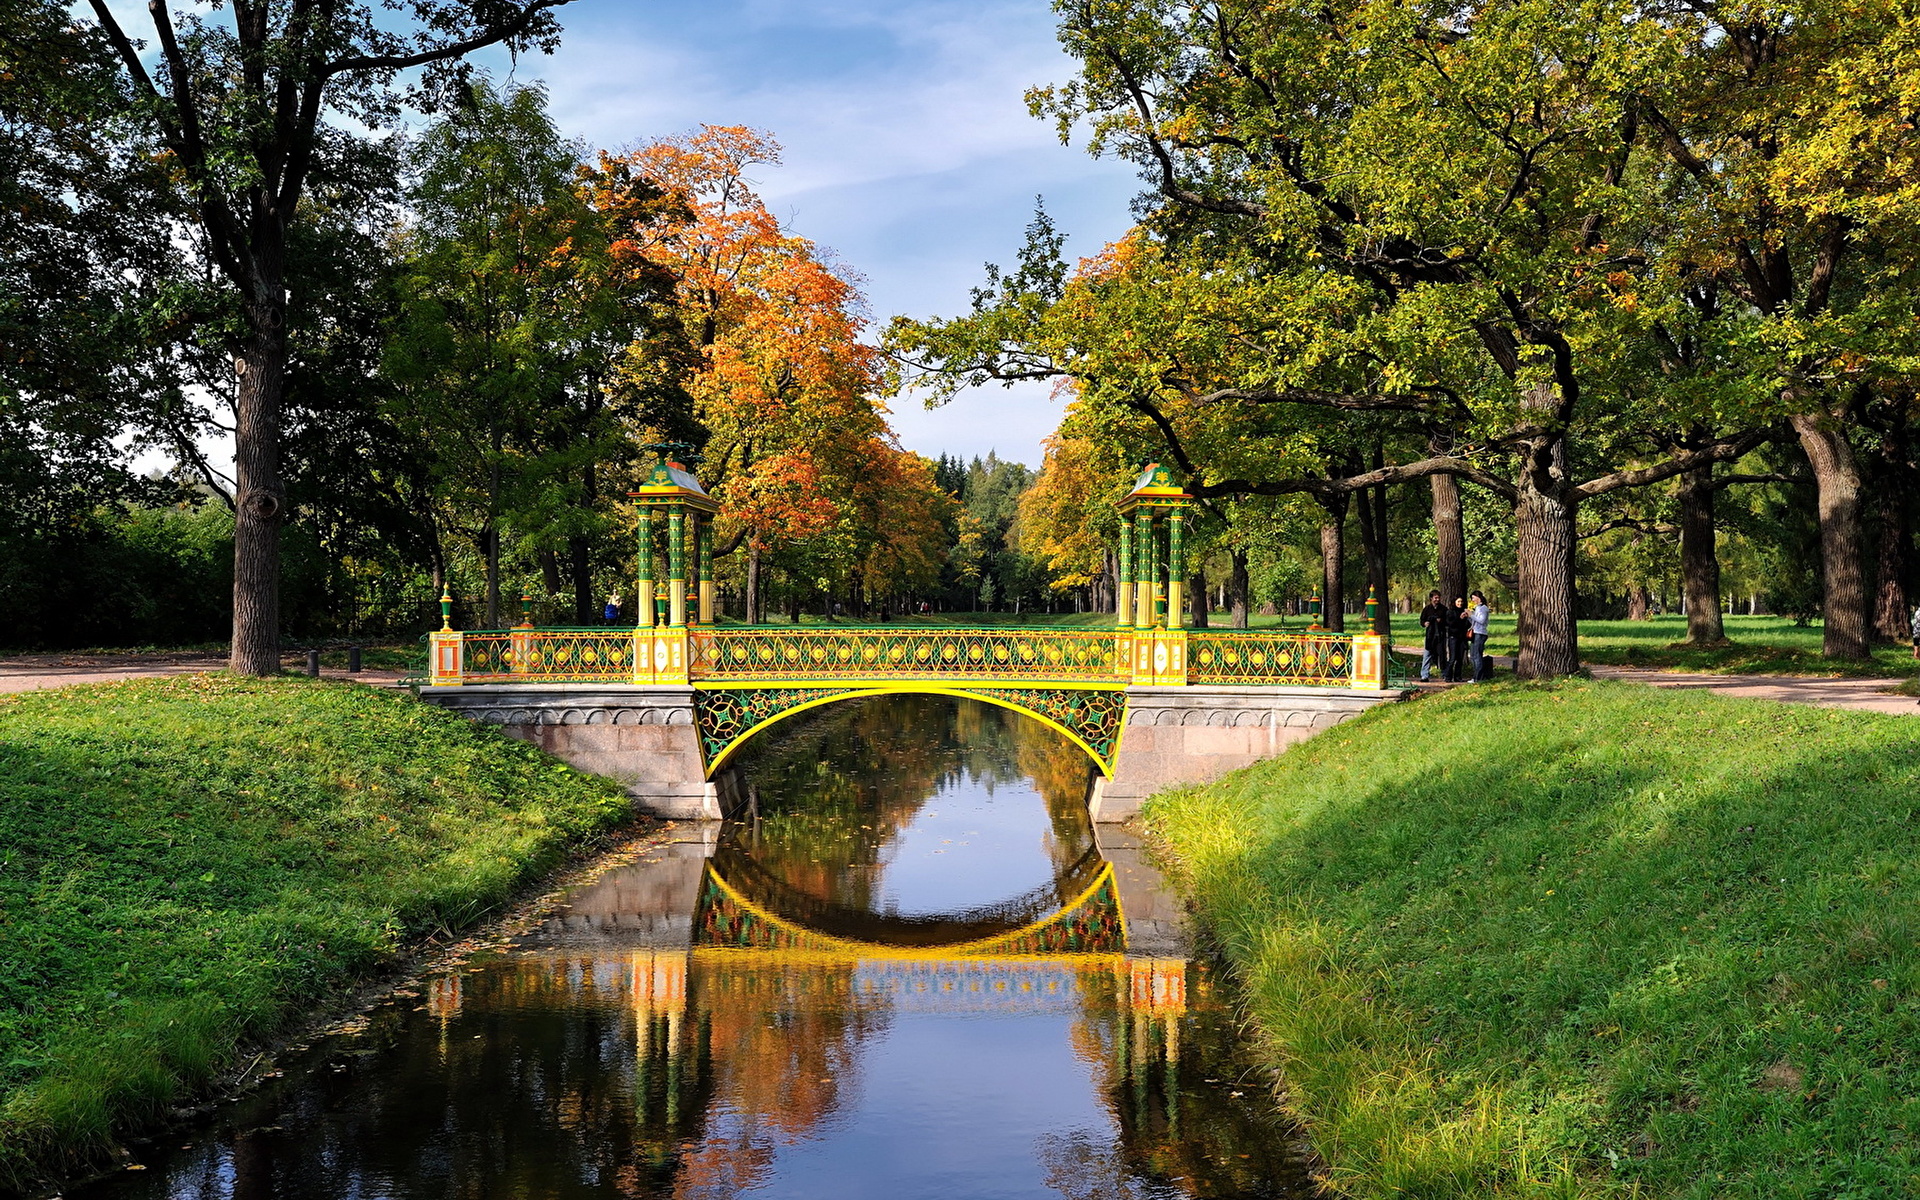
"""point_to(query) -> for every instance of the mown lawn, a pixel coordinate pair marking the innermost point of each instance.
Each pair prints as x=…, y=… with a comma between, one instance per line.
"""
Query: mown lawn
x=1582, y=938
x=187, y=865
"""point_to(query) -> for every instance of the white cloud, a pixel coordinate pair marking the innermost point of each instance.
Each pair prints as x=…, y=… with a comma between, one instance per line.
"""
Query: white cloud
x=908, y=147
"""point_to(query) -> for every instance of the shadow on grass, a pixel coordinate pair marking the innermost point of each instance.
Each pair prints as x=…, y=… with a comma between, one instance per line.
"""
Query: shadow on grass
x=1571, y=939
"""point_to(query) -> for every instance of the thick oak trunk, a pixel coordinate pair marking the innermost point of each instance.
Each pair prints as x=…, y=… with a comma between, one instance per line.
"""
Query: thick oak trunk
x=1333, y=567
x=1639, y=604
x=1836, y=477
x=259, y=494
x=1892, y=619
x=1699, y=558
x=1449, y=537
x=1550, y=636
x=1237, y=589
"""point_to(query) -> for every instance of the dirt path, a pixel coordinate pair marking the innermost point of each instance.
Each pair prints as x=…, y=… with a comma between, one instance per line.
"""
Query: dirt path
x=1860, y=695
x=31, y=672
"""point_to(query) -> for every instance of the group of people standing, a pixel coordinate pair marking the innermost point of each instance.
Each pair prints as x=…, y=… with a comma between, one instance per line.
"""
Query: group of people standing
x=1456, y=638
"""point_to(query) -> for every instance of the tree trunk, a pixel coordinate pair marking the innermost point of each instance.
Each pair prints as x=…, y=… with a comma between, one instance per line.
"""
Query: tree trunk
x=493, y=576
x=1449, y=537
x=1891, y=616
x=1333, y=565
x=754, y=600
x=1699, y=558
x=1544, y=523
x=580, y=564
x=1836, y=477
x=1199, y=597
x=1237, y=588
x=259, y=499
x=1373, y=542
x=1639, y=604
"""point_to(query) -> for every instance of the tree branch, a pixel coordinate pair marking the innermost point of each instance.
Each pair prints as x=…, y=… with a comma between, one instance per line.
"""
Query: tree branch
x=1723, y=450
x=401, y=62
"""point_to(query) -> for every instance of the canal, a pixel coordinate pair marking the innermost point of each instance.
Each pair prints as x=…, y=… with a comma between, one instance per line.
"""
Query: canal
x=914, y=969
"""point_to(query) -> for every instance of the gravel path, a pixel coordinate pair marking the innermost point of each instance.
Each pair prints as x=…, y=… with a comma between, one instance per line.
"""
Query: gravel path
x=31, y=672
x=1861, y=695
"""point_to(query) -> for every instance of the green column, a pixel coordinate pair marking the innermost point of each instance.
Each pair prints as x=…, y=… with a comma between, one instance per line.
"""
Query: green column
x=1123, y=582
x=1158, y=607
x=1176, y=572
x=1143, y=569
x=676, y=566
x=643, y=603
x=705, y=543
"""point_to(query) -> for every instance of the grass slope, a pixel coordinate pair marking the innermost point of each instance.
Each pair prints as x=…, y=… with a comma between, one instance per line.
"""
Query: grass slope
x=190, y=863
x=1582, y=939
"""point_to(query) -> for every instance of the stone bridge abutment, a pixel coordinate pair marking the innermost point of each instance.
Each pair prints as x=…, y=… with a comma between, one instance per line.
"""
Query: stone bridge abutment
x=649, y=738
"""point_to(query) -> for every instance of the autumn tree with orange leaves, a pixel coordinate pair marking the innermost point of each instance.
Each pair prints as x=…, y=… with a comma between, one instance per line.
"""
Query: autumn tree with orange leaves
x=777, y=391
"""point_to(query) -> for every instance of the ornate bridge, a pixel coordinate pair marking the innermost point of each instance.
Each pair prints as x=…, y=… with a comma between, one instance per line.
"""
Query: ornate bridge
x=745, y=678
x=704, y=689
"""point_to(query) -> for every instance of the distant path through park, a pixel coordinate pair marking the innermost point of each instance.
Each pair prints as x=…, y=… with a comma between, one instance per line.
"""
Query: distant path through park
x=31, y=672
x=1859, y=695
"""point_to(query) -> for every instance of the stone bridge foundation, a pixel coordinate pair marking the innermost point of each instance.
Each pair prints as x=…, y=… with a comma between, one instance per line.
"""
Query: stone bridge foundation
x=1176, y=735
x=645, y=737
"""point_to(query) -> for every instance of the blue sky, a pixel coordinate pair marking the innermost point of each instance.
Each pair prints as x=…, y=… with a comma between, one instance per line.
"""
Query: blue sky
x=908, y=148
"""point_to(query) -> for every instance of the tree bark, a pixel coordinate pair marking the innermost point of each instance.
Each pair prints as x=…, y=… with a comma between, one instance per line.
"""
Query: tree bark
x=1333, y=560
x=1237, y=588
x=259, y=494
x=1199, y=597
x=1449, y=537
x=1639, y=604
x=1544, y=522
x=1836, y=477
x=1699, y=558
x=755, y=601
x=1373, y=542
x=1891, y=616
x=580, y=564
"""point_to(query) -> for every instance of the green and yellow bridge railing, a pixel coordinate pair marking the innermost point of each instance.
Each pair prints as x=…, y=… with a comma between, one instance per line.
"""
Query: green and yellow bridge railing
x=720, y=655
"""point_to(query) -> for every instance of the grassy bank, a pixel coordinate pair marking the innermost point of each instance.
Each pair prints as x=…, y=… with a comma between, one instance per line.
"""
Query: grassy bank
x=1578, y=939
x=189, y=864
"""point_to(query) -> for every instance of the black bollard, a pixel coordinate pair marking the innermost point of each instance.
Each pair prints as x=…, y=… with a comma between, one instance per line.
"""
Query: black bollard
x=353, y=660
x=313, y=663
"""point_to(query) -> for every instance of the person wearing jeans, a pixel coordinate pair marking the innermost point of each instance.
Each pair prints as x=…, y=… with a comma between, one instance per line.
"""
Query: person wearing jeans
x=1477, y=614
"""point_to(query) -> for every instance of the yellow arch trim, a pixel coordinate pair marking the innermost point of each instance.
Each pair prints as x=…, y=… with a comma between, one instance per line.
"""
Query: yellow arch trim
x=979, y=948
x=904, y=689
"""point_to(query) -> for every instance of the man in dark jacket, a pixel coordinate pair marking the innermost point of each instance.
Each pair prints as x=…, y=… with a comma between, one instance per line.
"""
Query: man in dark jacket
x=1434, y=620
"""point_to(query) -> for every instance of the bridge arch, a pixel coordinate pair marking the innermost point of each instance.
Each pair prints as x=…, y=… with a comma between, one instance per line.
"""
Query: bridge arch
x=730, y=717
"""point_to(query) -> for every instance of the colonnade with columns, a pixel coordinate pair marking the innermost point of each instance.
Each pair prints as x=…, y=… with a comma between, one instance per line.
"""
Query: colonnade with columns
x=672, y=502
x=1152, y=553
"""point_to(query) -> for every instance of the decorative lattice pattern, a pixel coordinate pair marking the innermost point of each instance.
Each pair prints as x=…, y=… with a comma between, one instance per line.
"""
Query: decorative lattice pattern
x=1089, y=924
x=1251, y=657
x=1093, y=716
x=726, y=715
x=1052, y=655
x=547, y=656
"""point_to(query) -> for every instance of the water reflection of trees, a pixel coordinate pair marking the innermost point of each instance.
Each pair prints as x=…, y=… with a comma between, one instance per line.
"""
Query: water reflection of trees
x=834, y=787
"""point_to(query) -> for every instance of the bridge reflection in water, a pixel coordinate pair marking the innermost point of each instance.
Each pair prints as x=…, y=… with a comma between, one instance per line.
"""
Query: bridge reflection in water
x=916, y=972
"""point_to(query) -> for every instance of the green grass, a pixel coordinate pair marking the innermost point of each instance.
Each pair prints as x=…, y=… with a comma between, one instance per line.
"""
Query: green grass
x=1581, y=939
x=189, y=865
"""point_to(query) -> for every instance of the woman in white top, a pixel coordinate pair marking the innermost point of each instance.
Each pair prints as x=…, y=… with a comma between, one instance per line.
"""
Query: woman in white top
x=1477, y=613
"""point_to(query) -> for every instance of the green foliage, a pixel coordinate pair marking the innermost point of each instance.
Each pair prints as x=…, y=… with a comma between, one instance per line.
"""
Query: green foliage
x=1580, y=939
x=186, y=865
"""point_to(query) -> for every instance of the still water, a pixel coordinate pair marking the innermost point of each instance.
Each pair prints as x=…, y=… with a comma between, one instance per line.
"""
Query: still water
x=915, y=969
